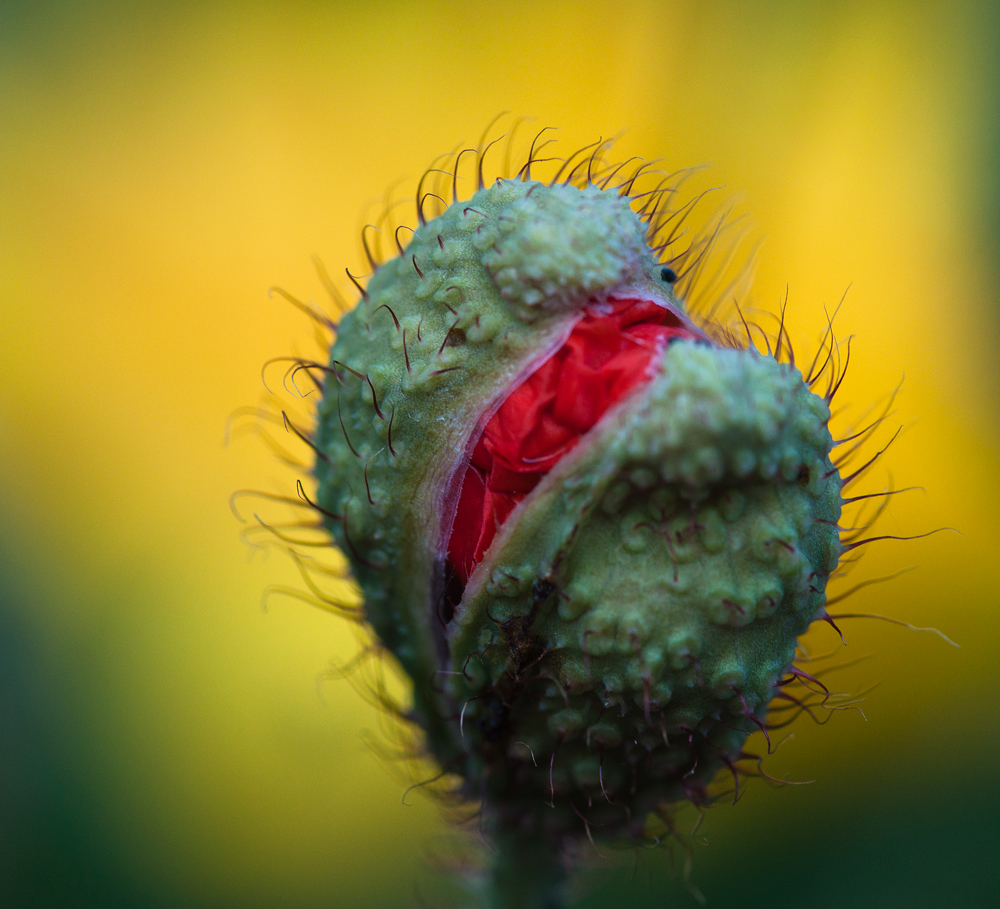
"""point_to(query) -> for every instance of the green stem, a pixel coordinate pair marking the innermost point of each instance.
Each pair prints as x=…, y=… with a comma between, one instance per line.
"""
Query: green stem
x=527, y=873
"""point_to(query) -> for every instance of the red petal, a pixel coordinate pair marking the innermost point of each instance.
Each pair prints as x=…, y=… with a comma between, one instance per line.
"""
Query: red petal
x=608, y=353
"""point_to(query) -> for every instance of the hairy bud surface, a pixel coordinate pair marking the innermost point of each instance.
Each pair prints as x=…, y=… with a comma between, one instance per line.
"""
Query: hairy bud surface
x=590, y=533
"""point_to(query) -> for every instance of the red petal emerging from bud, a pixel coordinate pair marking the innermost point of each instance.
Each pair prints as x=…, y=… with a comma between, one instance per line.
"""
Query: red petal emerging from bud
x=611, y=350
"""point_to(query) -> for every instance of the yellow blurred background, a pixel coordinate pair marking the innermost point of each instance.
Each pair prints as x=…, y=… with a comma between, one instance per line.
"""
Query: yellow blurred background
x=164, y=741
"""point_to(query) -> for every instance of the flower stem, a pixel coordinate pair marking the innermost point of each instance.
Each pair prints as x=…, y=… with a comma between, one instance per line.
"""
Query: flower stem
x=527, y=873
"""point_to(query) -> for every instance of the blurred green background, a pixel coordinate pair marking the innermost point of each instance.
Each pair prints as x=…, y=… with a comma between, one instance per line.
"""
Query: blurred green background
x=164, y=741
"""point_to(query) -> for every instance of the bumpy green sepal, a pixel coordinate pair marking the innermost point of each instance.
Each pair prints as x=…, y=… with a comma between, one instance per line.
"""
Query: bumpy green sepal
x=627, y=628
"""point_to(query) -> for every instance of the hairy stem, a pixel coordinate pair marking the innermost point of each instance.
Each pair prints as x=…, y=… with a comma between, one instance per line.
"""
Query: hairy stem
x=527, y=873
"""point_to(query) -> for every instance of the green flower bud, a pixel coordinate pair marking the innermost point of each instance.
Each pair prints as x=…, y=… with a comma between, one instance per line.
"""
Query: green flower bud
x=623, y=631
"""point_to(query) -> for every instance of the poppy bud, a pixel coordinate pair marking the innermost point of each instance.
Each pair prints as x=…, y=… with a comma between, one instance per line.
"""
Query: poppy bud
x=590, y=533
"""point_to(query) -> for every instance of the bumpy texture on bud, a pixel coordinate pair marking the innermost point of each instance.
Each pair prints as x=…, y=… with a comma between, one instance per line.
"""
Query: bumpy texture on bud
x=636, y=602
